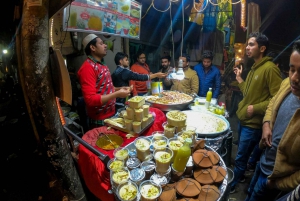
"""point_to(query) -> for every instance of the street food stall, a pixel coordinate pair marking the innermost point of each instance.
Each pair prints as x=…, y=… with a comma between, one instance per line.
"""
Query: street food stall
x=164, y=128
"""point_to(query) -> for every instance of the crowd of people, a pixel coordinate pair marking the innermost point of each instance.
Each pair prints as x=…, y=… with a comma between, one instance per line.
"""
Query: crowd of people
x=104, y=93
x=268, y=112
x=268, y=118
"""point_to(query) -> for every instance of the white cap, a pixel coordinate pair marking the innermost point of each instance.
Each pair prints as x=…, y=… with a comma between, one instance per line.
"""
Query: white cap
x=88, y=39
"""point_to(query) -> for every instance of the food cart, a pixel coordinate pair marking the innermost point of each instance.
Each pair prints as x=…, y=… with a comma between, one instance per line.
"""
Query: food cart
x=95, y=172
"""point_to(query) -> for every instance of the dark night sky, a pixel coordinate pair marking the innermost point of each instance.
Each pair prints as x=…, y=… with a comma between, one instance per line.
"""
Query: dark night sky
x=7, y=26
x=282, y=25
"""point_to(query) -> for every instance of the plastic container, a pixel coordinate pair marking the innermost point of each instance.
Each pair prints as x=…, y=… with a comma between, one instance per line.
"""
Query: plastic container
x=182, y=156
x=127, y=191
x=149, y=186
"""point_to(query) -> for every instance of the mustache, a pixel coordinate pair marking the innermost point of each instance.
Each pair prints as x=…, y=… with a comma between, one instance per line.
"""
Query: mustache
x=296, y=85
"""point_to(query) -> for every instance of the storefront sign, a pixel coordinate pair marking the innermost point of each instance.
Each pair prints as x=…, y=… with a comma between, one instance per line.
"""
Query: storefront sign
x=113, y=17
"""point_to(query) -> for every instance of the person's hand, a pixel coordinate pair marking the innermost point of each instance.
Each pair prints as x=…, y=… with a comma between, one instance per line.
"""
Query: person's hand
x=126, y=88
x=123, y=93
x=271, y=184
x=267, y=135
x=161, y=75
x=250, y=110
x=238, y=73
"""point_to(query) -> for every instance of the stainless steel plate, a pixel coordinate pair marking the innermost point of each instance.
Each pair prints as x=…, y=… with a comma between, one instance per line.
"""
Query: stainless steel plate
x=205, y=122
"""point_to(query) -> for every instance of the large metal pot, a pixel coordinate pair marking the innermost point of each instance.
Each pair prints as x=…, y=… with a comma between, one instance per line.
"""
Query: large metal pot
x=169, y=107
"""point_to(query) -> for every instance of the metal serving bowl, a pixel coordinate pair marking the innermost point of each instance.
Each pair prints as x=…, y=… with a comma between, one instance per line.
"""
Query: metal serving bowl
x=194, y=118
x=169, y=107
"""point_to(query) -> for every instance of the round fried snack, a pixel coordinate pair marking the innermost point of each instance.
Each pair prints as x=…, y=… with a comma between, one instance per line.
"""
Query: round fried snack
x=168, y=195
x=187, y=199
x=204, y=158
x=221, y=173
x=205, y=176
x=188, y=187
x=200, y=144
x=209, y=193
x=169, y=186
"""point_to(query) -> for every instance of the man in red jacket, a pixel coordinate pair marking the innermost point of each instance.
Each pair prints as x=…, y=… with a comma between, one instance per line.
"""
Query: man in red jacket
x=140, y=87
x=96, y=84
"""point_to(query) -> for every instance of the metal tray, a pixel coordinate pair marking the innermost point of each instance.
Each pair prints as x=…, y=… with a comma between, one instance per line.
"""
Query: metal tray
x=222, y=186
x=127, y=131
x=208, y=135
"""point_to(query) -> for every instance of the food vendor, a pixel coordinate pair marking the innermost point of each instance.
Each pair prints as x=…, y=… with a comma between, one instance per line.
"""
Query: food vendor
x=122, y=75
x=190, y=83
x=96, y=84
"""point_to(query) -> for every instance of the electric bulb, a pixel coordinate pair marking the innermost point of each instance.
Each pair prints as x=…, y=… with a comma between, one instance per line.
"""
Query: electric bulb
x=180, y=73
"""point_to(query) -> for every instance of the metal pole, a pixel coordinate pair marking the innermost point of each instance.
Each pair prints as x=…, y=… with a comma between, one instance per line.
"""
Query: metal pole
x=104, y=158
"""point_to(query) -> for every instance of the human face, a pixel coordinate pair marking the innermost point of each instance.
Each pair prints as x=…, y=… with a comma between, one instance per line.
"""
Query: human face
x=294, y=73
x=142, y=59
x=185, y=63
x=206, y=62
x=253, y=51
x=99, y=50
x=165, y=63
x=124, y=62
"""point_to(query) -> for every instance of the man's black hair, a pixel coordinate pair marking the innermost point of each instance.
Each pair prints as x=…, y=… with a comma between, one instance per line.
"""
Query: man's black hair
x=296, y=46
x=139, y=53
x=119, y=56
x=207, y=54
x=185, y=55
x=166, y=57
x=261, y=39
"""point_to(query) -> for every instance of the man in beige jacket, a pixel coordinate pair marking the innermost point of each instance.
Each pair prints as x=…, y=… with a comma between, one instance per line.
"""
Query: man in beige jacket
x=190, y=83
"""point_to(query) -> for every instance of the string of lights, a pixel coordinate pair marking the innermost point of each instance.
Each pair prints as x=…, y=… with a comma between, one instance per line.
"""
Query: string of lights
x=161, y=10
x=205, y=5
x=202, y=2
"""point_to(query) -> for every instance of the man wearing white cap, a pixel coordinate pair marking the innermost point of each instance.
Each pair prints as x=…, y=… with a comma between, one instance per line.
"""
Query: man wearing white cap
x=96, y=84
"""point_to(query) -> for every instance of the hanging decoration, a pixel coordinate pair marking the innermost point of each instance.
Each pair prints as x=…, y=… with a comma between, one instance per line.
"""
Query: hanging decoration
x=243, y=14
x=210, y=19
x=218, y=2
x=196, y=14
x=225, y=13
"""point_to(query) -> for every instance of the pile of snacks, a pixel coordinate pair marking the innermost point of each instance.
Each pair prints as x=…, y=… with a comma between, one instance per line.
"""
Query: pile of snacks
x=135, y=118
x=170, y=97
